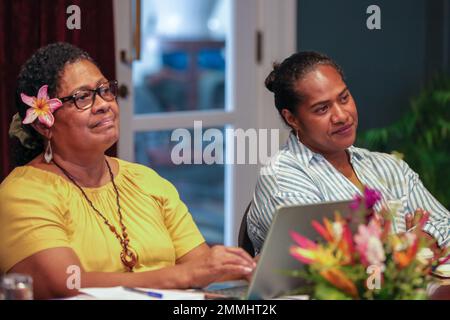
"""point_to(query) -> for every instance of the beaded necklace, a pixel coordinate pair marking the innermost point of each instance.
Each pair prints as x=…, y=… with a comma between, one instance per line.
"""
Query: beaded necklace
x=127, y=256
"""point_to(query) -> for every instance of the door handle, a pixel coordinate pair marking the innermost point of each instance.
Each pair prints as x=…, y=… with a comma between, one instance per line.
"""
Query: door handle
x=123, y=91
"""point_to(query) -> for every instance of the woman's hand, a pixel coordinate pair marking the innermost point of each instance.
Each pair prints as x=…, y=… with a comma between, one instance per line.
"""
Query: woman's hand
x=255, y=261
x=414, y=223
x=199, y=267
x=206, y=265
x=418, y=220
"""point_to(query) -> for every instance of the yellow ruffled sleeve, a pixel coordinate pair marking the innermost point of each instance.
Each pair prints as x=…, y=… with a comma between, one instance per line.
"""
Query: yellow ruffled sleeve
x=31, y=215
x=182, y=228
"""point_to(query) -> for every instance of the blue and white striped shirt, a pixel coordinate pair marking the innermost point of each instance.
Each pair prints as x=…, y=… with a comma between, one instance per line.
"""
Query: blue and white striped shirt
x=296, y=175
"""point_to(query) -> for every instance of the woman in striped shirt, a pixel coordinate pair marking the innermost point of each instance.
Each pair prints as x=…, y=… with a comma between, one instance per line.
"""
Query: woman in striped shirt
x=319, y=162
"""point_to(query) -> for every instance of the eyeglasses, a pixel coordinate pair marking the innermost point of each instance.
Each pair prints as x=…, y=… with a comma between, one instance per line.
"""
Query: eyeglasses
x=84, y=99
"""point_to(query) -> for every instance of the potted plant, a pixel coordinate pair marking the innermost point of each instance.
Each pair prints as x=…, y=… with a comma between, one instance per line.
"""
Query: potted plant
x=422, y=137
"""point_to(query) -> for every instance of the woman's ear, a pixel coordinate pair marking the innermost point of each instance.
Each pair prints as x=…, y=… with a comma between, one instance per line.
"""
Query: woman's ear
x=42, y=129
x=291, y=119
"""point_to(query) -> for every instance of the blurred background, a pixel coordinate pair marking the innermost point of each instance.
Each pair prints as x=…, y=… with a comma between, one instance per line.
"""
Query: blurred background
x=399, y=76
x=180, y=61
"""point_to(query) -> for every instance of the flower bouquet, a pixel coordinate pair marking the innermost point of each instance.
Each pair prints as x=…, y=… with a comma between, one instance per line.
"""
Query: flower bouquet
x=370, y=263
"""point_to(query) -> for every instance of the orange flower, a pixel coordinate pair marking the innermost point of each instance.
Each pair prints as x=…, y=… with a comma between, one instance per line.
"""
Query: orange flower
x=338, y=234
x=326, y=231
x=331, y=231
x=338, y=279
x=346, y=245
x=404, y=256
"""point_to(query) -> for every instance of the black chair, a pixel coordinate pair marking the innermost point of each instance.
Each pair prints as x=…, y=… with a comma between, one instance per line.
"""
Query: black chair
x=243, y=239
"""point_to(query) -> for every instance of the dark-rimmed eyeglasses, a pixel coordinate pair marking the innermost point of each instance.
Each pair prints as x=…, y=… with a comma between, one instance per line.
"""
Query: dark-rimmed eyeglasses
x=84, y=99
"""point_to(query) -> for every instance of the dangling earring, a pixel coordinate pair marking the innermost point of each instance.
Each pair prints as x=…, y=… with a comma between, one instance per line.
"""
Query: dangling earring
x=296, y=133
x=48, y=155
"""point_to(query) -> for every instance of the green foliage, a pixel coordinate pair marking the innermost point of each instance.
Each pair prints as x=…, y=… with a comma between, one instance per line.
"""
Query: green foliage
x=422, y=135
x=325, y=291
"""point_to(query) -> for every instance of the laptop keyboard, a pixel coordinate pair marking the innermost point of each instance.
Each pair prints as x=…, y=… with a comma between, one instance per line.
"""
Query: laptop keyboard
x=235, y=289
x=234, y=292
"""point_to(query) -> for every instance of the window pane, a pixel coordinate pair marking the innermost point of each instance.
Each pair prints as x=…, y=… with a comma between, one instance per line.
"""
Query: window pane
x=182, y=64
x=201, y=186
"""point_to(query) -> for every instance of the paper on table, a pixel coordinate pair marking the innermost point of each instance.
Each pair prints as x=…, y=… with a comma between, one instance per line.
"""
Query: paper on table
x=443, y=270
x=293, y=297
x=120, y=293
x=114, y=293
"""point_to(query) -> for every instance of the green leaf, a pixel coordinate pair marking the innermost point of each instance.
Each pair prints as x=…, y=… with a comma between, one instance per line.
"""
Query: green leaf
x=324, y=291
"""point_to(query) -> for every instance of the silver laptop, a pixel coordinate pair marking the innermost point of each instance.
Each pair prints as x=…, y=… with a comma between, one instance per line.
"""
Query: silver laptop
x=269, y=280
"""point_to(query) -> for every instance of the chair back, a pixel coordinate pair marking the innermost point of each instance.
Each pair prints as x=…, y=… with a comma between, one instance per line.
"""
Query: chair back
x=243, y=239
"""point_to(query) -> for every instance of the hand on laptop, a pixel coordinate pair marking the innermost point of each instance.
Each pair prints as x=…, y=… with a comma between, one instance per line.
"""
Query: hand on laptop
x=220, y=263
x=255, y=260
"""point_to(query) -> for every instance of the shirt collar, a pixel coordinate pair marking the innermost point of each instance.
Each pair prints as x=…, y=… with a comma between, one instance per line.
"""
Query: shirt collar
x=303, y=153
x=355, y=153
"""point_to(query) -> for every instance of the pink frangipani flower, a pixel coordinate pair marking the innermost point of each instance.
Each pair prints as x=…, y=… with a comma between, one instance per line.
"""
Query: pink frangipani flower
x=42, y=107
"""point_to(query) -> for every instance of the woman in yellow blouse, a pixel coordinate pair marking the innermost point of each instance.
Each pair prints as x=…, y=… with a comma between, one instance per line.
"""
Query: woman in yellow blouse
x=70, y=205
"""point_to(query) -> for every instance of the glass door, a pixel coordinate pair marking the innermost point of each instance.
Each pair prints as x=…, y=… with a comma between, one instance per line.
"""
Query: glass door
x=191, y=67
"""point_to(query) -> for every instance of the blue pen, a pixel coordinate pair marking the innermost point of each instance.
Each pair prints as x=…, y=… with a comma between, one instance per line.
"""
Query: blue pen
x=146, y=292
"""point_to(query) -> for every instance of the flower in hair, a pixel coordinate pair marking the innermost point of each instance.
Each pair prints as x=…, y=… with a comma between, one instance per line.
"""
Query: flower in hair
x=42, y=107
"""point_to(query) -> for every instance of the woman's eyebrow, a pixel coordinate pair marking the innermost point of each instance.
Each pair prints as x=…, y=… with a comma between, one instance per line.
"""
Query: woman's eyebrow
x=86, y=87
x=326, y=101
x=319, y=103
x=345, y=89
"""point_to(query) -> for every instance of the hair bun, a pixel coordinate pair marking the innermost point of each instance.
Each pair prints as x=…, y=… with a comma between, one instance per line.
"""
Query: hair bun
x=271, y=78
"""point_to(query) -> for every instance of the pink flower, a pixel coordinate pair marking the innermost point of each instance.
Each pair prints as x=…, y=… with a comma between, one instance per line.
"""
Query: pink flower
x=325, y=230
x=304, y=252
x=302, y=241
x=42, y=107
x=369, y=245
x=356, y=203
x=369, y=198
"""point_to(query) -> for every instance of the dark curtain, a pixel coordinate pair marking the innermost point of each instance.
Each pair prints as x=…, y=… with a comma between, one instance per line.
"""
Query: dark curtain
x=26, y=25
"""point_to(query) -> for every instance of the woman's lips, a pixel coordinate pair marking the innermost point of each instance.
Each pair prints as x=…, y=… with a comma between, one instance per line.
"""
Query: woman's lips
x=344, y=130
x=105, y=122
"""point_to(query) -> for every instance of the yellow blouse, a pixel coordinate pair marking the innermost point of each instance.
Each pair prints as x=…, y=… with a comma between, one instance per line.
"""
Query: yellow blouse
x=41, y=210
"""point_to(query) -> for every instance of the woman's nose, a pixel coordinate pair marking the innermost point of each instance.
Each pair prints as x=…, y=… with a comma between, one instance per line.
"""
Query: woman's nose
x=340, y=115
x=99, y=104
